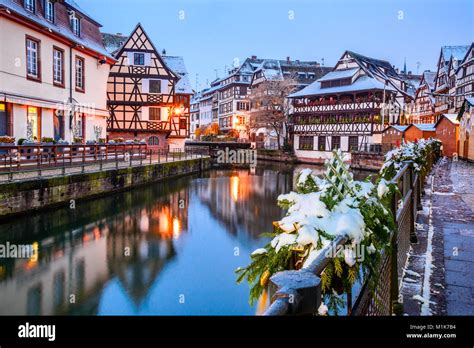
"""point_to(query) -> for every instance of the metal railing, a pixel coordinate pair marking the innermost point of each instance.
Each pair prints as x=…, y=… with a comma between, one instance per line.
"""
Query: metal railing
x=299, y=292
x=35, y=161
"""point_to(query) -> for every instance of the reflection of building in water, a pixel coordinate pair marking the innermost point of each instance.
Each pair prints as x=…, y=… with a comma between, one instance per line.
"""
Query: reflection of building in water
x=72, y=264
x=244, y=203
x=133, y=245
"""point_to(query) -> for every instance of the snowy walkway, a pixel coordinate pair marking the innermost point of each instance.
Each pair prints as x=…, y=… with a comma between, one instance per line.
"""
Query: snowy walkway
x=439, y=279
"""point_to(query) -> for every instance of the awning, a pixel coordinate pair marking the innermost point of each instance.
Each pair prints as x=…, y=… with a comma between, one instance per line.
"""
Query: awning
x=50, y=104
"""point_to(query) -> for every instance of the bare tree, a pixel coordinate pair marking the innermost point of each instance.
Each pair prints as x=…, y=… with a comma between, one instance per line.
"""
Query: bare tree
x=270, y=106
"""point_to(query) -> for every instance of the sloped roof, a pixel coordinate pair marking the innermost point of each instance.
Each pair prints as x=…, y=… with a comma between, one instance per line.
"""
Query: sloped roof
x=339, y=74
x=425, y=127
x=399, y=128
x=362, y=83
x=61, y=30
x=456, y=52
x=176, y=63
x=430, y=77
x=450, y=117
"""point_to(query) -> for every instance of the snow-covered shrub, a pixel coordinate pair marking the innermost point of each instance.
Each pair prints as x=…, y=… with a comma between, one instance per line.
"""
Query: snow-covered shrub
x=320, y=210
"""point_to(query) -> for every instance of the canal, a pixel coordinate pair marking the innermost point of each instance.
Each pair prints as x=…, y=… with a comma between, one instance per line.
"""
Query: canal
x=169, y=248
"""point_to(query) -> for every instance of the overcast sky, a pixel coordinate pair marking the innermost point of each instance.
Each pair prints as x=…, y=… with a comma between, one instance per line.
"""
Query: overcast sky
x=211, y=34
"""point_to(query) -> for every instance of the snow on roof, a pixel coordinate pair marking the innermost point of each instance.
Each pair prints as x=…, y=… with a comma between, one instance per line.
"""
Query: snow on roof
x=113, y=42
x=452, y=118
x=339, y=74
x=429, y=77
x=64, y=31
x=176, y=63
x=425, y=127
x=363, y=83
x=457, y=52
x=397, y=127
x=74, y=5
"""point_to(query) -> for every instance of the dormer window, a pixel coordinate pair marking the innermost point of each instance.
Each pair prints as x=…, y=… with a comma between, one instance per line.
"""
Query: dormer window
x=75, y=24
x=30, y=5
x=49, y=10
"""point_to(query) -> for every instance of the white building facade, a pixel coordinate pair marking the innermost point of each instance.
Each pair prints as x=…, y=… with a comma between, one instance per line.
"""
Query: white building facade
x=53, y=72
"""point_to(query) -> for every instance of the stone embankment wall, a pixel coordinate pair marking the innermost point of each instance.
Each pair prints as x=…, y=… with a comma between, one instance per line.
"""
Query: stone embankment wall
x=26, y=196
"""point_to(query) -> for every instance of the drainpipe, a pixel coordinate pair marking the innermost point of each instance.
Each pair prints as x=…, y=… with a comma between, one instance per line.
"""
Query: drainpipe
x=71, y=112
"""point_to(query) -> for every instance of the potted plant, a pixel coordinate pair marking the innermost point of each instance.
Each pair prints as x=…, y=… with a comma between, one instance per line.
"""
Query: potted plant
x=48, y=142
x=6, y=140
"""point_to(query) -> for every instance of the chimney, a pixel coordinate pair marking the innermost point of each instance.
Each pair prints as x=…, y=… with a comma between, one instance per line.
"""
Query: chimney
x=254, y=57
x=409, y=73
x=288, y=60
x=397, y=70
x=297, y=61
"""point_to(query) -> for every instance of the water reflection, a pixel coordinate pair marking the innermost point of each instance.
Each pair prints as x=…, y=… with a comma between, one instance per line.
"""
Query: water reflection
x=168, y=248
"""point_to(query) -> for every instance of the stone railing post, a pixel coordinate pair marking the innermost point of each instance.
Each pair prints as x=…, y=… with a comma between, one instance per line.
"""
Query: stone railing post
x=295, y=293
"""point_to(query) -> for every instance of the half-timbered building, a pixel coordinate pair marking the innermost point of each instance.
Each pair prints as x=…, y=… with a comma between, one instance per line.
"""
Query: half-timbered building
x=148, y=94
x=465, y=78
x=445, y=83
x=422, y=110
x=347, y=108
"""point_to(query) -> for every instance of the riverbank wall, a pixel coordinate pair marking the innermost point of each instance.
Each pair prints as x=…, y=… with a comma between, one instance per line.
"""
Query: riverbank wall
x=21, y=197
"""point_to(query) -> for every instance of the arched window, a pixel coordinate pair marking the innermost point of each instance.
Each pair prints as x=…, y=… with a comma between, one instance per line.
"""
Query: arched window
x=153, y=141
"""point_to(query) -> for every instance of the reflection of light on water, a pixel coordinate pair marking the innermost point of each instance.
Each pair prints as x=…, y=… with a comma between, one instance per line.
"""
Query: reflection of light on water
x=262, y=303
x=144, y=221
x=176, y=228
x=34, y=255
x=234, y=187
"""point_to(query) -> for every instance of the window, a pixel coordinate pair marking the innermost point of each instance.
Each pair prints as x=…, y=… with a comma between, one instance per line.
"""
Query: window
x=353, y=143
x=75, y=24
x=30, y=5
x=79, y=126
x=80, y=83
x=335, y=142
x=153, y=141
x=155, y=86
x=33, y=70
x=306, y=143
x=155, y=114
x=33, y=123
x=322, y=143
x=49, y=11
x=183, y=124
x=58, y=67
x=139, y=59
